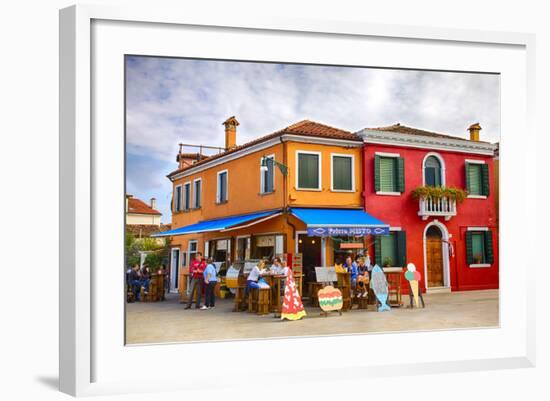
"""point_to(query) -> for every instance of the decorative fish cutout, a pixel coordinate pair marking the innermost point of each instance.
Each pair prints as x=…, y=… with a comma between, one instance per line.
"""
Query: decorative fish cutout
x=379, y=285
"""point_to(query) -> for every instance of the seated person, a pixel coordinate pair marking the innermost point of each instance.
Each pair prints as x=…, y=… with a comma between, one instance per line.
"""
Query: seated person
x=145, y=277
x=338, y=267
x=351, y=267
x=134, y=281
x=361, y=266
x=278, y=268
x=253, y=277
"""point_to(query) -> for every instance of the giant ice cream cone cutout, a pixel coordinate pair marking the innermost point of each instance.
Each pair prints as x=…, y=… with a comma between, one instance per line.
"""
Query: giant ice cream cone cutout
x=413, y=277
x=293, y=309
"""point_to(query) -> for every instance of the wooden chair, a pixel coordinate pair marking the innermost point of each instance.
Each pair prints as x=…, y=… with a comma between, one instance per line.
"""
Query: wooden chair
x=130, y=296
x=264, y=301
x=253, y=294
x=239, y=298
x=344, y=285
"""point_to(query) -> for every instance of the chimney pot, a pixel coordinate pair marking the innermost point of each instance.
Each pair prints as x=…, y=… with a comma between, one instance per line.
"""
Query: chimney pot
x=153, y=203
x=230, y=132
x=474, y=132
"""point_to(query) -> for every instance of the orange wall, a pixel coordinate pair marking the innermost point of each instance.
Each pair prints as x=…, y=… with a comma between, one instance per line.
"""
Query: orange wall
x=324, y=197
x=244, y=184
x=243, y=189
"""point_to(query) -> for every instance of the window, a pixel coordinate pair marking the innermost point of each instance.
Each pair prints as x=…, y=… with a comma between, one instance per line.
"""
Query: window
x=389, y=174
x=391, y=249
x=479, y=247
x=187, y=196
x=342, y=173
x=267, y=246
x=267, y=177
x=177, y=199
x=192, y=249
x=243, y=248
x=221, y=194
x=197, y=194
x=477, y=179
x=309, y=170
x=432, y=172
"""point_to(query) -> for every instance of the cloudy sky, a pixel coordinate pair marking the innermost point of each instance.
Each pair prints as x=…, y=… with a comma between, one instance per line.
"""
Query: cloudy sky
x=177, y=100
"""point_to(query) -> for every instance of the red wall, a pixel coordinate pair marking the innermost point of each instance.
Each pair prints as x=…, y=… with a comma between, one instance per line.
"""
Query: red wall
x=402, y=211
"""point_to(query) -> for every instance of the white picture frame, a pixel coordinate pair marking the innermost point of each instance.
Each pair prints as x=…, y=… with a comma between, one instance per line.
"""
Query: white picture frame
x=92, y=363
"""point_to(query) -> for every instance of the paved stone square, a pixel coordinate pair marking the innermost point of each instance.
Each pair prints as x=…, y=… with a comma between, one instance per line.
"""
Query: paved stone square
x=167, y=321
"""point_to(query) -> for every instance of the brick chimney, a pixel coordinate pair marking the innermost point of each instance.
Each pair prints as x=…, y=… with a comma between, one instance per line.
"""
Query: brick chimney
x=230, y=132
x=154, y=203
x=474, y=132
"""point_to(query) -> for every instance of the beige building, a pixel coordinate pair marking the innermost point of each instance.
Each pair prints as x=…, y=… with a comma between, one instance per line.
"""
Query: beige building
x=141, y=213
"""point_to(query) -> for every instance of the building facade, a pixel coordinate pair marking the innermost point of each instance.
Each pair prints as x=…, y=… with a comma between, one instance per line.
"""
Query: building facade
x=454, y=245
x=140, y=213
x=307, y=165
x=327, y=193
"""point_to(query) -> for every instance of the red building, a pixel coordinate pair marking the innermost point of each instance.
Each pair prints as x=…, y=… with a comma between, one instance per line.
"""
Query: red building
x=454, y=245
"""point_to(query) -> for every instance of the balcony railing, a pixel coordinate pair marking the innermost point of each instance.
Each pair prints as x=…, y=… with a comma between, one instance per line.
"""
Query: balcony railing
x=443, y=206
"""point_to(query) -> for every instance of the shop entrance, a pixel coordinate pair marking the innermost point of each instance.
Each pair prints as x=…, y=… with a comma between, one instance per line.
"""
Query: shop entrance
x=434, y=256
x=310, y=248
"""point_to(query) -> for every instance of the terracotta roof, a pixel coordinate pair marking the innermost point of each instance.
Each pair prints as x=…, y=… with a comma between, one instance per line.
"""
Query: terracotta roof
x=403, y=129
x=145, y=230
x=302, y=128
x=137, y=206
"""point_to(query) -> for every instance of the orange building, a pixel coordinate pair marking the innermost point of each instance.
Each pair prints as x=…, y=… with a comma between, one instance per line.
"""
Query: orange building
x=243, y=203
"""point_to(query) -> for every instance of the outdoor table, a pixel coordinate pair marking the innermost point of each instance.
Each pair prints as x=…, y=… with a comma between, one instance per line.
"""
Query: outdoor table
x=274, y=281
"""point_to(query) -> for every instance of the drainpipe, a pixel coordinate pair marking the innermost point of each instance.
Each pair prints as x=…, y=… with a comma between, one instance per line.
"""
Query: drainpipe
x=285, y=182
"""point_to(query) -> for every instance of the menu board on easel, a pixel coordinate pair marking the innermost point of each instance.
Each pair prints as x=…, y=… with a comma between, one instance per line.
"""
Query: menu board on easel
x=325, y=274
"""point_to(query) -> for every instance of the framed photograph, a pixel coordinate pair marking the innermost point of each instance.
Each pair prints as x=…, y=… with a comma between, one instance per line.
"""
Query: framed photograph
x=233, y=188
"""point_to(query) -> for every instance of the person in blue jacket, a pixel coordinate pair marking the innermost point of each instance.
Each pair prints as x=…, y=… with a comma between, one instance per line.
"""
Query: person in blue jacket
x=351, y=267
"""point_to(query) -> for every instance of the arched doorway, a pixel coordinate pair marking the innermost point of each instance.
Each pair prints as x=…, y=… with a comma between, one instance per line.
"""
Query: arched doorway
x=436, y=255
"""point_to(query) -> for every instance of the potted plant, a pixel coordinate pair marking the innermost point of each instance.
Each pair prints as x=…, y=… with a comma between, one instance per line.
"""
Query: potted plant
x=477, y=258
x=436, y=193
x=387, y=262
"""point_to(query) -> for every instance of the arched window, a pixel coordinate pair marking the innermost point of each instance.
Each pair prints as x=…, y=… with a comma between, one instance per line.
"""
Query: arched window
x=432, y=172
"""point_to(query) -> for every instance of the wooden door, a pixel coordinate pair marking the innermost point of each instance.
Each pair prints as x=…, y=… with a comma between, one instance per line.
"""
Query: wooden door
x=434, y=256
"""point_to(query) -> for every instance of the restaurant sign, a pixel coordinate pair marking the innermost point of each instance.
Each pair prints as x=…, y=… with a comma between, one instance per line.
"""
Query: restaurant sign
x=346, y=231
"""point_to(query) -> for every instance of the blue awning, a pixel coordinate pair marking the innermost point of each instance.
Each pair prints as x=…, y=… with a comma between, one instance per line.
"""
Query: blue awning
x=340, y=222
x=215, y=224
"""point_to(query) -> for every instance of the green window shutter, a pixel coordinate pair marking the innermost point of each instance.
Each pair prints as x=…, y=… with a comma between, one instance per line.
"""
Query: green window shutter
x=469, y=253
x=377, y=173
x=401, y=248
x=341, y=173
x=378, y=250
x=485, y=179
x=388, y=174
x=400, y=174
x=467, y=176
x=308, y=171
x=489, y=254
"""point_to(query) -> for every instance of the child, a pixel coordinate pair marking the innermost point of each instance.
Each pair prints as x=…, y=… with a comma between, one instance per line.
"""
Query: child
x=210, y=281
